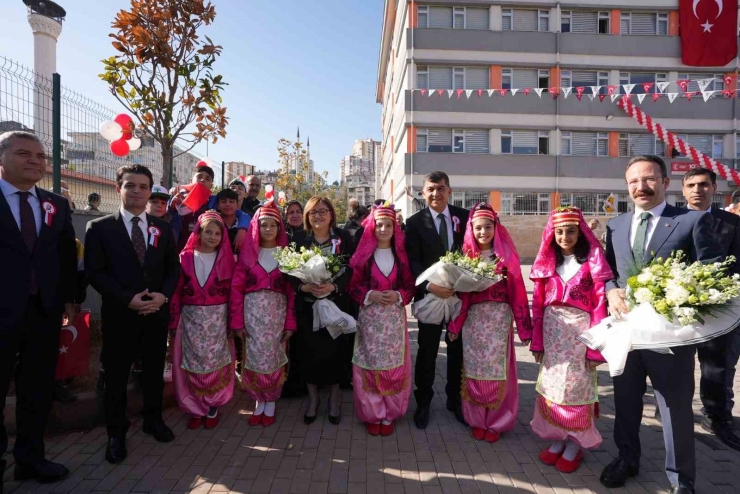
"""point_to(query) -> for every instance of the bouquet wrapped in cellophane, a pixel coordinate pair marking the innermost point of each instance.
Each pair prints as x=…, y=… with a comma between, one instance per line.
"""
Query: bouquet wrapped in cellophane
x=672, y=303
x=312, y=266
x=460, y=273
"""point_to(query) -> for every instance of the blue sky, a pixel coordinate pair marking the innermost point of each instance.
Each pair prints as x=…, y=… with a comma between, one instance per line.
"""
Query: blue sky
x=311, y=63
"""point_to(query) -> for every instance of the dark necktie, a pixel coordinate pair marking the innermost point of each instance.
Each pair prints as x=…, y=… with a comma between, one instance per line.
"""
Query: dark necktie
x=28, y=233
x=443, y=232
x=137, y=238
x=638, y=248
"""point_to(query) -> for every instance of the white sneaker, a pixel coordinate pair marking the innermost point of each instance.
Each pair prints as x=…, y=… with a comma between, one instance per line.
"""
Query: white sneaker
x=167, y=372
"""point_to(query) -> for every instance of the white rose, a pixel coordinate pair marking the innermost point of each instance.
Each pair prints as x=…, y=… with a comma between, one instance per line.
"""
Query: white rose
x=644, y=296
x=676, y=295
x=645, y=277
x=482, y=265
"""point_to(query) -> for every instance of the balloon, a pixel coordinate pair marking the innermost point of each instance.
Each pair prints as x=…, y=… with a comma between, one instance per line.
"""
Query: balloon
x=281, y=195
x=119, y=148
x=281, y=201
x=269, y=195
x=110, y=130
x=201, y=163
x=134, y=143
x=207, y=162
x=268, y=188
x=126, y=123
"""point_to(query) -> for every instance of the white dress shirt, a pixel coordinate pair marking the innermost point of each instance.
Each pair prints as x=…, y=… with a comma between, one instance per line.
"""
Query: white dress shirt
x=129, y=225
x=448, y=219
x=652, y=223
x=568, y=269
x=204, y=265
x=266, y=259
x=14, y=201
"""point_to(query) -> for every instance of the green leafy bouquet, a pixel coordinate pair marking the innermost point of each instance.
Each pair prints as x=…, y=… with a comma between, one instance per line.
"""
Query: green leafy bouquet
x=292, y=261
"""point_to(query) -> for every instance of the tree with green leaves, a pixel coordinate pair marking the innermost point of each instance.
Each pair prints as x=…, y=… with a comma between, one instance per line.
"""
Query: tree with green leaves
x=163, y=74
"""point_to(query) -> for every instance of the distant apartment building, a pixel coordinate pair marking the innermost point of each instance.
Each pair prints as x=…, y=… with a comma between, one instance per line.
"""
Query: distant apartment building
x=357, y=174
x=234, y=169
x=528, y=154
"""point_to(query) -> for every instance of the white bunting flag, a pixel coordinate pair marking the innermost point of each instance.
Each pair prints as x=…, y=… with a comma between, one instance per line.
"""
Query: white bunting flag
x=450, y=92
x=615, y=96
x=672, y=97
x=514, y=91
x=706, y=95
x=628, y=88
x=491, y=91
x=662, y=85
x=703, y=83
x=591, y=96
x=641, y=97
x=566, y=91
x=595, y=90
x=538, y=90
x=432, y=92
x=468, y=92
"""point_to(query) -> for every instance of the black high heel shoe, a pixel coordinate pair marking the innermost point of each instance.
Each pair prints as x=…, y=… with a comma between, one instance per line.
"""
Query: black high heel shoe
x=310, y=420
x=333, y=419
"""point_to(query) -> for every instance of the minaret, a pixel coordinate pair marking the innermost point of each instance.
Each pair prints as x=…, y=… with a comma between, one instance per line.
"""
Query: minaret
x=309, y=178
x=45, y=18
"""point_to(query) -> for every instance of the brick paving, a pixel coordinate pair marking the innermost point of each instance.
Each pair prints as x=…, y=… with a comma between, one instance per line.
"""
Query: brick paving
x=292, y=458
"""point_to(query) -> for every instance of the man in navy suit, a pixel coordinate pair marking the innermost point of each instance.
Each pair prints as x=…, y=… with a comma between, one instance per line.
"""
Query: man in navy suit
x=699, y=185
x=39, y=266
x=654, y=229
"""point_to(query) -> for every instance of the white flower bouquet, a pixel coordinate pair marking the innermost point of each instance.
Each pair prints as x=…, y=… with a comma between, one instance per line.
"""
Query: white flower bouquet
x=672, y=303
x=460, y=273
x=312, y=266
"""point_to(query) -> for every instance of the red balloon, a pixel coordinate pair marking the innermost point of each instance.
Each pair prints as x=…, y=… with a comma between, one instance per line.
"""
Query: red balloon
x=201, y=163
x=120, y=147
x=127, y=124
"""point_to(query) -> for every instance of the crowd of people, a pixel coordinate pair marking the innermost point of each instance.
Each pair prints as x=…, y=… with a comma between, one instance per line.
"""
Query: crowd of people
x=210, y=281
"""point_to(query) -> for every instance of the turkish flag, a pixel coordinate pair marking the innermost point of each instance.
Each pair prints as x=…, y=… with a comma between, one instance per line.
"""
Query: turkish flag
x=197, y=196
x=708, y=32
x=74, y=348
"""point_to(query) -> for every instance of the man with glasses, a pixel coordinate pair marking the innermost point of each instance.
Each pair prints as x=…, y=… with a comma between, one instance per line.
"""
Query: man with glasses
x=655, y=229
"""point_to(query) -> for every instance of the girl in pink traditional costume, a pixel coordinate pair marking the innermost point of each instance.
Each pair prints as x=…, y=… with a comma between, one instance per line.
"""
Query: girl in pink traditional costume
x=203, y=354
x=490, y=395
x=569, y=274
x=382, y=284
x=263, y=304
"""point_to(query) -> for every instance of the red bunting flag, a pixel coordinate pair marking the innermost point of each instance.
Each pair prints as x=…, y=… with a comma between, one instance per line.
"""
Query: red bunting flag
x=502, y=92
x=729, y=80
x=579, y=91
x=423, y=92
x=440, y=92
x=601, y=97
x=683, y=84
x=579, y=96
x=655, y=97
x=480, y=93
x=647, y=86
x=728, y=93
x=74, y=348
x=610, y=90
x=708, y=32
x=689, y=94
x=526, y=91
x=459, y=93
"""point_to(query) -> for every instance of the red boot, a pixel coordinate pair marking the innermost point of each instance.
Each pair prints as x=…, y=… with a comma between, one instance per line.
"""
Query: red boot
x=373, y=429
x=267, y=421
x=478, y=433
x=255, y=420
x=492, y=436
x=195, y=423
x=386, y=429
x=211, y=422
x=549, y=458
x=565, y=466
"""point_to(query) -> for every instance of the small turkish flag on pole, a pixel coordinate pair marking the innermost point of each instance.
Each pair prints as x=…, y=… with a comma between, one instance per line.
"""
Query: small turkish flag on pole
x=708, y=32
x=74, y=348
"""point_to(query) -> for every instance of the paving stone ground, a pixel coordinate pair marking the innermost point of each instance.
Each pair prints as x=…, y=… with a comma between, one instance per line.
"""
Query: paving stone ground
x=292, y=458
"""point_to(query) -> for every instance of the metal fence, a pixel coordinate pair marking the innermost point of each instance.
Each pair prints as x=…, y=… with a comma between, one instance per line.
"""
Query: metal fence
x=525, y=203
x=27, y=103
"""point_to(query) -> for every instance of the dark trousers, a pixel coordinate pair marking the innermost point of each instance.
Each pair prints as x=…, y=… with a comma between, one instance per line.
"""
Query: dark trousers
x=426, y=359
x=126, y=338
x=34, y=345
x=672, y=377
x=712, y=388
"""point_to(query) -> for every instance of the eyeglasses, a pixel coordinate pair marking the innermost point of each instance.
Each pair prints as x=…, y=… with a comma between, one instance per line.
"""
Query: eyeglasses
x=318, y=212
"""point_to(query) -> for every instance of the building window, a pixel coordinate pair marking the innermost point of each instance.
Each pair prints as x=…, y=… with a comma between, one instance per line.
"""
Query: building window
x=718, y=84
x=458, y=18
x=458, y=141
x=625, y=23
x=422, y=77
x=421, y=141
x=506, y=142
x=543, y=20
x=543, y=142
x=662, y=24
x=566, y=78
x=543, y=76
x=644, y=23
x=506, y=78
x=624, y=146
x=717, y=147
x=602, y=79
x=602, y=144
x=604, y=19
x=423, y=16
x=565, y=17
x=507, y=19
x=458, y=78
x=521, y=203
x=565, y=140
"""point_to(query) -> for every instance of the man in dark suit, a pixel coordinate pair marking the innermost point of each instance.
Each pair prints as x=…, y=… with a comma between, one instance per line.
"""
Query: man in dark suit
x=430, y=234
x=654, y=229
x=39, y=264
x=131, y=259
x=699, y=185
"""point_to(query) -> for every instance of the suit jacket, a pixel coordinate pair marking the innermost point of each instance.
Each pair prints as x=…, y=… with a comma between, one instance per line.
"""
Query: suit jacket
x=113, y=268
x=54, y=260
x=727, y=229
x=677, y=229
x=423, y=243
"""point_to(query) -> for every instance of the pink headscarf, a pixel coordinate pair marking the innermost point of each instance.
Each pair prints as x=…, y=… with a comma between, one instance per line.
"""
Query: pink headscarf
x=249, y=255
x=503, y=245
x=369, y=242
x=544, y=263
x=225, y=259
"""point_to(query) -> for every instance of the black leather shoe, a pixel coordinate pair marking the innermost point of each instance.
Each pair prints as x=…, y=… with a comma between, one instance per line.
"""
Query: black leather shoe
x=160, y=431
x=679, y=489
x=62, y=394
x=116, y=450
x=723, y=431
x=617, y=472
x=421, y=416
x=44, y=471
x=334, y=419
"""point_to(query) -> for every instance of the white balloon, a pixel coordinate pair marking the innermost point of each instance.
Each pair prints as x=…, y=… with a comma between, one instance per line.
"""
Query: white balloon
x=111, y=131
x=134, y=143
x=268, y=188
x=281, y=194
x=210, y=162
